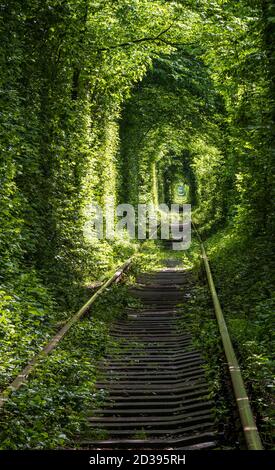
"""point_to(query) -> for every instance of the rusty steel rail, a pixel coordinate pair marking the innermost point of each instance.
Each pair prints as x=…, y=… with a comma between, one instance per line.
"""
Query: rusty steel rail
x=23, y=375
x=249, y=427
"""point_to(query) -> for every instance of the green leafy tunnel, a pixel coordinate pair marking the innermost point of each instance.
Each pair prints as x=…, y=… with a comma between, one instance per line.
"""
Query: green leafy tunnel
x=131, y=98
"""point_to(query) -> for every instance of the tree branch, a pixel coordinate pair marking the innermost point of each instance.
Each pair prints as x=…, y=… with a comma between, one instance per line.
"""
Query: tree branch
x=145, y=39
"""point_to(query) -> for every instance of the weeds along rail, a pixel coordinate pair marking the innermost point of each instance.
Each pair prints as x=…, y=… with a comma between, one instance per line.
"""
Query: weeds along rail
x=29, y=368
x=23, y=375
x=249, y=427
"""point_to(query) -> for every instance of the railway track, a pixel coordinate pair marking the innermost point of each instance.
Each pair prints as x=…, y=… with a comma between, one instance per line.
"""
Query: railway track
x=157, y=394
x=154, y=383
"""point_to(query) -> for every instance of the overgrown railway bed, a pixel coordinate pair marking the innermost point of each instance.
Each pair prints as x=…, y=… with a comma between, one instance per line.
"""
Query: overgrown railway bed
x=154, y=383
x=157, y=394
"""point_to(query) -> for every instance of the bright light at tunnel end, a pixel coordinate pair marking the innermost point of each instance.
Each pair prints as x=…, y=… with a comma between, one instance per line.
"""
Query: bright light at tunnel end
x=143, y=222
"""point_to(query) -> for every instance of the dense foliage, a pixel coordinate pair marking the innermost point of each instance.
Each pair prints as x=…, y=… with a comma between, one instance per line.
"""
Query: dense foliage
x=127, y=98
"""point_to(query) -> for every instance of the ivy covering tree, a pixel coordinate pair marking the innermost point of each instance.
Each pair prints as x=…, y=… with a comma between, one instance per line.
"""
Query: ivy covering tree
x=126, y=98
